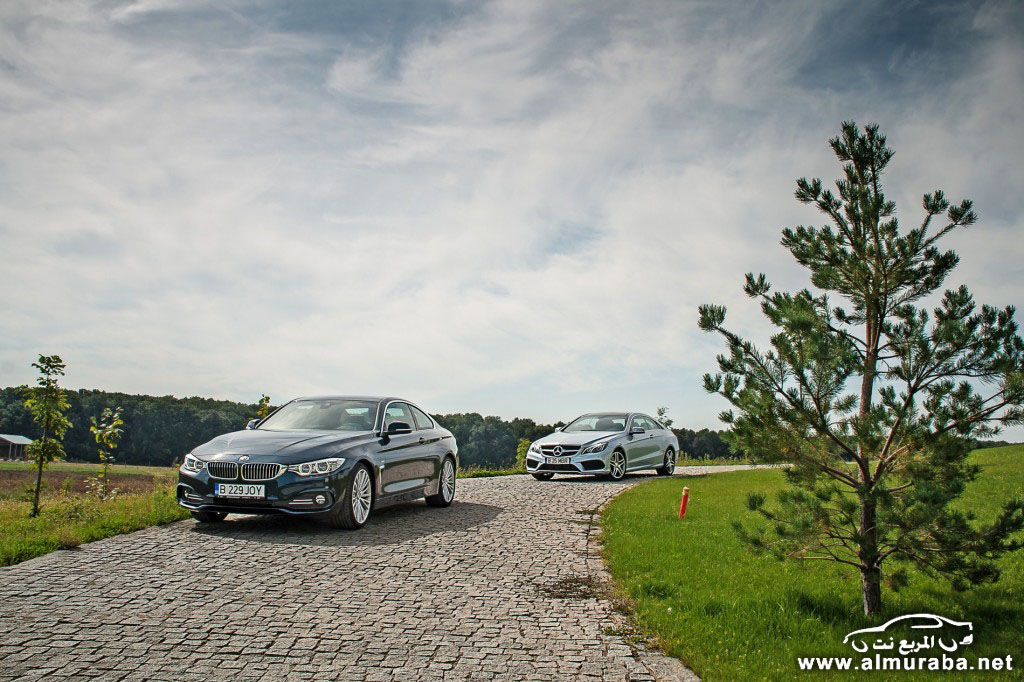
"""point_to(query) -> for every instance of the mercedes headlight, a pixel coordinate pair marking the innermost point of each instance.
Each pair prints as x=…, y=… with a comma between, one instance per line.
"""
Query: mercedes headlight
x=535, y=448
x=320, y=467
x=192, y=465
x=596, y=447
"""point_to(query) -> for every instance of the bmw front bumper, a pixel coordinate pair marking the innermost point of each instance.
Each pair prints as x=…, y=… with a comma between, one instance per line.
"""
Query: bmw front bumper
x=289, y=493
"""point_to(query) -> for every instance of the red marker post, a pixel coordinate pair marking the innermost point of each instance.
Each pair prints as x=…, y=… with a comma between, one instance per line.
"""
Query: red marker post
x=682, y=505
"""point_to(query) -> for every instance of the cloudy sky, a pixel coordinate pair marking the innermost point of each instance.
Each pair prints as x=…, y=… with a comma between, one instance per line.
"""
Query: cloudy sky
x=506, y=207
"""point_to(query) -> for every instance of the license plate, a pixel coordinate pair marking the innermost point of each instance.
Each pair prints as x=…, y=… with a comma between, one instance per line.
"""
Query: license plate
x=239, y=490
x=558, y=460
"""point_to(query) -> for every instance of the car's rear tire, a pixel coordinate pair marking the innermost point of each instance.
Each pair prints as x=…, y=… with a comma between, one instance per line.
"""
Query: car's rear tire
x=543, y=477
x=445, y=485
x=209, y=516
x=669, y=466
x=353, y=511
x=617, y=465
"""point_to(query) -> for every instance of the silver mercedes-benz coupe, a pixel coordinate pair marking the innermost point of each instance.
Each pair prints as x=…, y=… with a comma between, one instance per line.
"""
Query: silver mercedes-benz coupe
x=605, y=444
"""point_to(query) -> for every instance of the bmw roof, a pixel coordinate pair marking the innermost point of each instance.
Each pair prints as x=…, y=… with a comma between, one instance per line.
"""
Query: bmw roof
x=368, y=398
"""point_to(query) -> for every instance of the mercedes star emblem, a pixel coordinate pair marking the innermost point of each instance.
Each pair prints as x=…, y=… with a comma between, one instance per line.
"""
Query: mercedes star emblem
x=557, y=451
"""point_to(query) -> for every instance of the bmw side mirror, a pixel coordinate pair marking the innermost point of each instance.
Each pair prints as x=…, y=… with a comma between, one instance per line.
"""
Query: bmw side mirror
x=398, y=428
x=252, y=424
x=636, y=430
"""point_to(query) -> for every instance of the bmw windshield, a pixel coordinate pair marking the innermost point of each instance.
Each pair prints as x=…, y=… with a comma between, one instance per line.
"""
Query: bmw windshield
x=605, y=421
x=323, y=415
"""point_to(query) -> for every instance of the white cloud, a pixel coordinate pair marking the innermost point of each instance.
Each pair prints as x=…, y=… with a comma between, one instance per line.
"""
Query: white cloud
x=515, y=211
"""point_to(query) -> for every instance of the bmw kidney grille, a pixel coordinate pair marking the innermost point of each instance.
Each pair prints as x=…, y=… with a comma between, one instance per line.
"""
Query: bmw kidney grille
x=223, y=470
x=262, y=471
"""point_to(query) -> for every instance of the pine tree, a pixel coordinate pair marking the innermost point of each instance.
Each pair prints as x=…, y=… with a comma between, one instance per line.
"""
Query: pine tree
x=872, y=402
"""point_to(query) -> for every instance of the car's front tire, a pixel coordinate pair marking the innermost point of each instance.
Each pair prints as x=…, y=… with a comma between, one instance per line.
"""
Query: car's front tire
x=209, y=516
x=669, y=466
x=617, y=465
x=353, y=512
x=543, y=477
x=445, y=485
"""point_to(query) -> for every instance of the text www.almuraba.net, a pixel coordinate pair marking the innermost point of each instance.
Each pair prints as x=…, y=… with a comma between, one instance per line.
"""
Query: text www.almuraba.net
x=879, y=662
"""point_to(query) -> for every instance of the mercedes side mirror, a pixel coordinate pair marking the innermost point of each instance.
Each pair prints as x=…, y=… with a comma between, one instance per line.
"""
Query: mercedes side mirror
x=398, y=428
x=252, y=424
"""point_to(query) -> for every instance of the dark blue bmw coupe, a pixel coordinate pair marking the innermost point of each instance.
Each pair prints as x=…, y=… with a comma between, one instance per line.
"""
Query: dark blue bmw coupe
x=333, y=458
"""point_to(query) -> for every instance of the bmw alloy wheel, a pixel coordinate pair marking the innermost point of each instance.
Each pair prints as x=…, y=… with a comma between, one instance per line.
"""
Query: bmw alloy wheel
x=445, y=485
x=617, y=465
x=362, y=496
x=448, y=480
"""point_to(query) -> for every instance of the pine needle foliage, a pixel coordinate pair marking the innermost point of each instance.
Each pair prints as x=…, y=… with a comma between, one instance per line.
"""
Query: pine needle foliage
x=872, y=399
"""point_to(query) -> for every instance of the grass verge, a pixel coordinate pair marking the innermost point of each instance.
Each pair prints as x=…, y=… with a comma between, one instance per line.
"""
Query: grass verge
x=478, y=472
x=733, y=615
x=714, y=461
x=69, y=522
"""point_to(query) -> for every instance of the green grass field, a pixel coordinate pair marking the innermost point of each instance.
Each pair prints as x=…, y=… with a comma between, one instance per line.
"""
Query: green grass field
x=68, y=522
x=732, y=615
x=87, y=468
x=69, y=516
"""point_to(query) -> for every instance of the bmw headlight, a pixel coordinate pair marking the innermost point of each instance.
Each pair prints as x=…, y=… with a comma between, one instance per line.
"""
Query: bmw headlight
x=535, y=448
x=192, y=465
x=320, y=467
x=596, y=447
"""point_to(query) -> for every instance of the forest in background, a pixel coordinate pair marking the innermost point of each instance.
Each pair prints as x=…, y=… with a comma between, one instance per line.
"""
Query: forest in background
x=159, y=430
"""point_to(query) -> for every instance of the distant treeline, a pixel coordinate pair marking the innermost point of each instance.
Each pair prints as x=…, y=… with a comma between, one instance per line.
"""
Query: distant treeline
x=158, y=431
x=982, y=444
x=490, y=441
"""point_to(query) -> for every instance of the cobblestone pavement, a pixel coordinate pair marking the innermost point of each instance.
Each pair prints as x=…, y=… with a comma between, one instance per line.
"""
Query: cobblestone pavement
x=503, y=585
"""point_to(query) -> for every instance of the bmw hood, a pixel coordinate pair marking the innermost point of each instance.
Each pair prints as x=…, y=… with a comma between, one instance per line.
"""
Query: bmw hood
x=576, y=437
x=281, y=446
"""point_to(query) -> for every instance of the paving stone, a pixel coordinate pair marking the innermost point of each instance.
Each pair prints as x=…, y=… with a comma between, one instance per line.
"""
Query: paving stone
x=498, y=586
